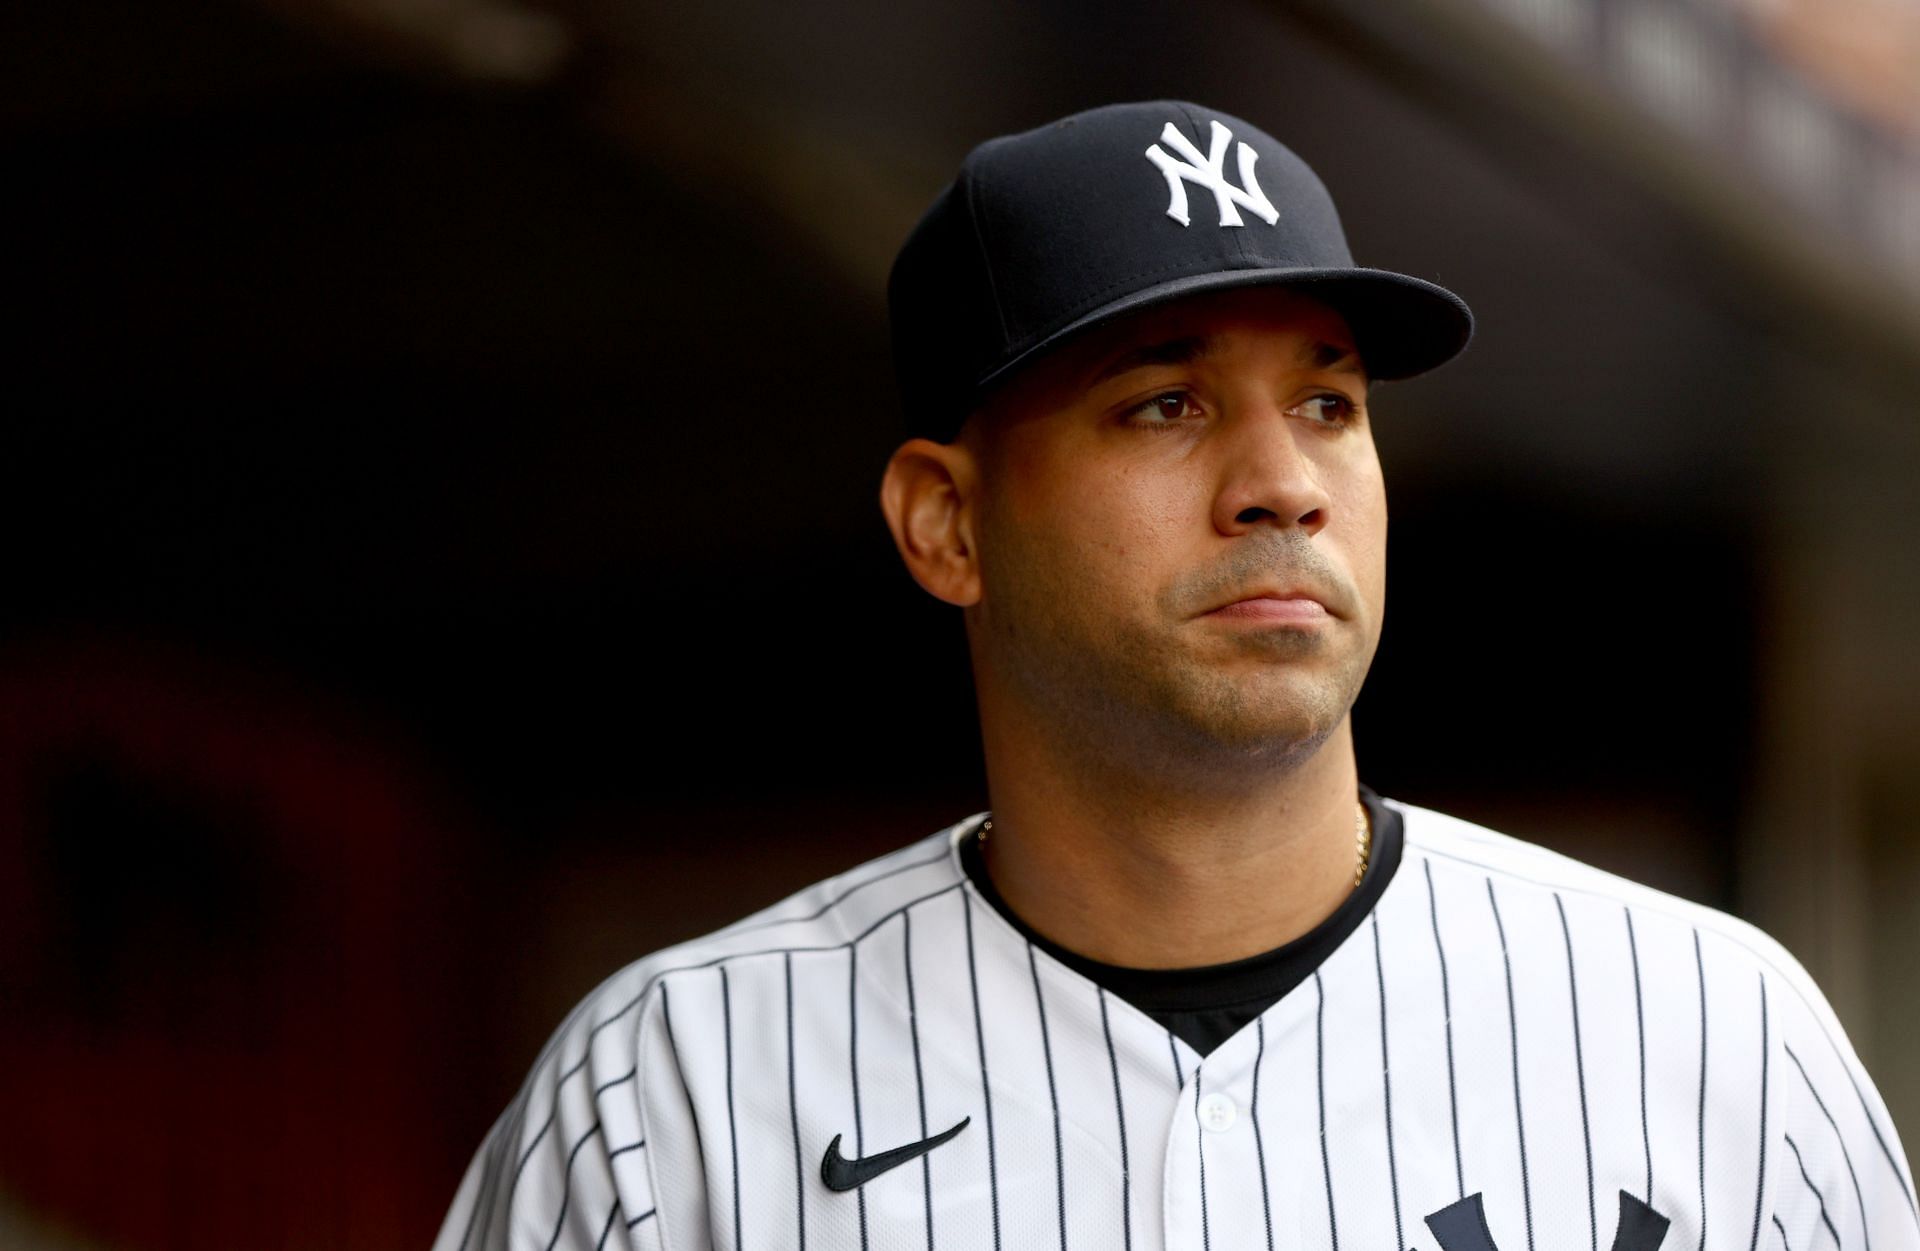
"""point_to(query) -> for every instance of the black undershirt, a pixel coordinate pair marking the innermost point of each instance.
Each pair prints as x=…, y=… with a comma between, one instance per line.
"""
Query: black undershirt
x=1207, y=1005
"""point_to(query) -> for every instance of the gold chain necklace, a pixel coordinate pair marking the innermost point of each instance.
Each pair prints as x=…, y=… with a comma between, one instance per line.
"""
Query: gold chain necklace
x=1362, y=839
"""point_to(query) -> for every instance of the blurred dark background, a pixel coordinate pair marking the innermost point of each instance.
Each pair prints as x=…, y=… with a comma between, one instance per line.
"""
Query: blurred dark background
x=443, y=559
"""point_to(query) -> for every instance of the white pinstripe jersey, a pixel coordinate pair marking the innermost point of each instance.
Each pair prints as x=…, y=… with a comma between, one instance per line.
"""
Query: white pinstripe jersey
x=1513, y=1050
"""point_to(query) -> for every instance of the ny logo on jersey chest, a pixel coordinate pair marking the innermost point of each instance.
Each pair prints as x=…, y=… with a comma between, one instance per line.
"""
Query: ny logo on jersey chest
x=1462, y=1226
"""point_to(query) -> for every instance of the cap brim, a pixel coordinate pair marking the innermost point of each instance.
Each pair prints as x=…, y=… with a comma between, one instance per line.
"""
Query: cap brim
x=1401, y=325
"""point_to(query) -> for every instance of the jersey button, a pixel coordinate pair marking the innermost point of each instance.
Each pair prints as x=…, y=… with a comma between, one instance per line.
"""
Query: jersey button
x=1217, y=1113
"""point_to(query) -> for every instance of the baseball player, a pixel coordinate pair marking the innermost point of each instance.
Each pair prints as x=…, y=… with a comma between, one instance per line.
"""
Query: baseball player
x=1188, y=983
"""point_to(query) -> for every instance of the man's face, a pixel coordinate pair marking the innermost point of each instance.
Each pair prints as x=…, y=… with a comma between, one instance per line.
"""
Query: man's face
x=1154, y=471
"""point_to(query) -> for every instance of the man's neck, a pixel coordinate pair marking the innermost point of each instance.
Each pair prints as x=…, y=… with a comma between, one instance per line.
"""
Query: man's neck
x=1129, y=875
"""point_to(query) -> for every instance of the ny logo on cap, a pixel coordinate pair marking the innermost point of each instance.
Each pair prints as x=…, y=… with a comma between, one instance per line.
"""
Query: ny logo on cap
x=1210, y=172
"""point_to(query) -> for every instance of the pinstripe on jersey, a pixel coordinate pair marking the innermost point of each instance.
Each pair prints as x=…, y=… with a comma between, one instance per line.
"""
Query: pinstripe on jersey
x=1512, y=1038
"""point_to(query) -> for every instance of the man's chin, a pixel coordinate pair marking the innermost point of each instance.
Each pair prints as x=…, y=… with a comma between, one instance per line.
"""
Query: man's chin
x=1269, y=719
x=1272, y=738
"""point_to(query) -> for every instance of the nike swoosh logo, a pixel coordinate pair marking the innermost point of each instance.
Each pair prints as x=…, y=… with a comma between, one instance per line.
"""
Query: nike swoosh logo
x=841, y=1173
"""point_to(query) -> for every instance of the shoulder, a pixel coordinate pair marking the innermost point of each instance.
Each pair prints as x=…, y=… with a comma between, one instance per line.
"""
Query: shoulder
x=1721, y=942
x=828, y=914
x=1680, y=952
x=591, y=1138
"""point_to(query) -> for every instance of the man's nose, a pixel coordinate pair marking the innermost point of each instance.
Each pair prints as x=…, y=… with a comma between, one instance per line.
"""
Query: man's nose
x=1266, y=475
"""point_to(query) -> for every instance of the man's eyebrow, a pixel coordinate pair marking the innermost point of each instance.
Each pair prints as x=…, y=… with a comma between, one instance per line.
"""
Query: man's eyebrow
x=1317, y=355
x=1171, y=352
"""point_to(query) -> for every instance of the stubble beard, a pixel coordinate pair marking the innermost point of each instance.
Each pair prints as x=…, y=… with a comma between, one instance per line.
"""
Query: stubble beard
x=1186, y=702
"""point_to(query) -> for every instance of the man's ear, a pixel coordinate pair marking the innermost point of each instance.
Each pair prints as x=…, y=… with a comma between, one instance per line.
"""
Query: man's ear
x=928, y=494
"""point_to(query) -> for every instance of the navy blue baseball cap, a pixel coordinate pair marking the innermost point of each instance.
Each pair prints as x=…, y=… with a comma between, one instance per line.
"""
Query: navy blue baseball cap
x=1055, y=230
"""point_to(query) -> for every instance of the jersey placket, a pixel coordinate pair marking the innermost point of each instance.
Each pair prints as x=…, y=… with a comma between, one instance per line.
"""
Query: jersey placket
x=1226, y=1132
x=1222, y=1152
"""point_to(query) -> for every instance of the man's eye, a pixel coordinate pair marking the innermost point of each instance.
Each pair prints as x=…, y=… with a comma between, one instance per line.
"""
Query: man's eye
x=1338, y=410
x=1162, y=409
